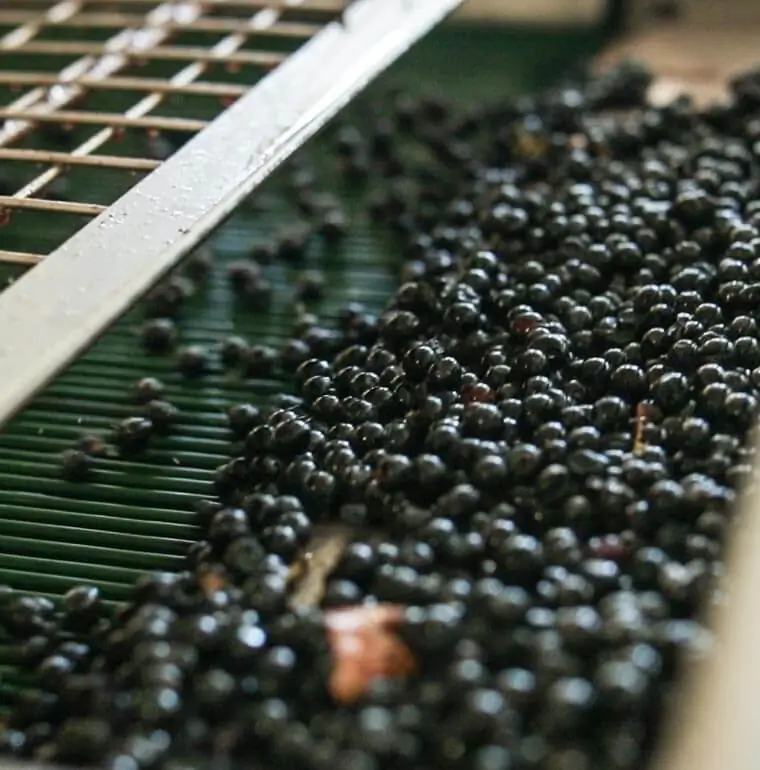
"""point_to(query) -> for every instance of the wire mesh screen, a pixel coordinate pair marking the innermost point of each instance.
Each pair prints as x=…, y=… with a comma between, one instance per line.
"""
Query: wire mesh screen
x=95, y=93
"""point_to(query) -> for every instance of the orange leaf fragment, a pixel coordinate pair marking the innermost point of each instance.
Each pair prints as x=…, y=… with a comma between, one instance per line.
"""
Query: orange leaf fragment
x=365, y=647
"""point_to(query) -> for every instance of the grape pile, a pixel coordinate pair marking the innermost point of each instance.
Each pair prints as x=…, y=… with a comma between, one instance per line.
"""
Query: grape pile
x=532, y=455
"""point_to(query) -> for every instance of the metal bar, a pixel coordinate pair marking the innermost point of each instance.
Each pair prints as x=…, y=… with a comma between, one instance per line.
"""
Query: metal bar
x=25, y=32
x=20, y=257
x=86, y=283
x=228, y=44
x=69, y=159
x=325, y=6
x=114, y=119
x=110, y=62
x=153, y=85
x=159, y=52
x=58, y=207
x=116, y=20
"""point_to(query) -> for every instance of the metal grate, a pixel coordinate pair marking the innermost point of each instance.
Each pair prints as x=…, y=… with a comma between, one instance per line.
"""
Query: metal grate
x=94, y=76
x=80, y=47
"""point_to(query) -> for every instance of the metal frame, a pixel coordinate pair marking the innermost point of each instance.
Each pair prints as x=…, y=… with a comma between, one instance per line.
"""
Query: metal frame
x=62, y=98
x=55, y=310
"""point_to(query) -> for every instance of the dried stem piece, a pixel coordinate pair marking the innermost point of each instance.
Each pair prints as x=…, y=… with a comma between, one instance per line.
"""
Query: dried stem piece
x=311, y=570
x=644, y=414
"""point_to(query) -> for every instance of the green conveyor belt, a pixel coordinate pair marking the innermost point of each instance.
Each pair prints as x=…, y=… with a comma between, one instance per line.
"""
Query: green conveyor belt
x=137, y=516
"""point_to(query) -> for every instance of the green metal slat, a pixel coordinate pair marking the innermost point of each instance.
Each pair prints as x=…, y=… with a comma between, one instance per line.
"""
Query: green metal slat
x=35, y=580
x=124, y=510
x=80, y=571
x=61, y=537
x=30, y=446
x=199, y=469
x=138, y=495
x=89, y=555
x=100, y=525
x=219, y=391
x=203, y=420
x=182, y=479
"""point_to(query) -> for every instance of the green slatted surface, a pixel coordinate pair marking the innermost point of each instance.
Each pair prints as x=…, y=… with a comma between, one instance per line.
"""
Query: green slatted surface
x=137, y=515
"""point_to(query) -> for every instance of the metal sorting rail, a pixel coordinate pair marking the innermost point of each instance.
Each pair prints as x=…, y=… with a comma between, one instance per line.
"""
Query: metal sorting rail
x=311, y=57
x=133, y=31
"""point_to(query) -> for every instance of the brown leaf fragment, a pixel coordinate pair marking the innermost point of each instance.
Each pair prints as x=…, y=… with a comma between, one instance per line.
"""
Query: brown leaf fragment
x=365, y=647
